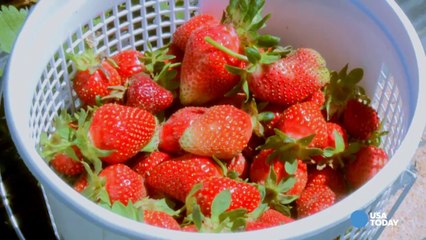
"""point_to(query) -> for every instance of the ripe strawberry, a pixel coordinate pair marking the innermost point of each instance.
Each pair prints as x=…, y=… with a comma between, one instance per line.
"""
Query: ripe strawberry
x=203, y=74
x=183, y=32
x=81, y=183
x=269, y=218
x=66, y=165
x=177, y=176
x=125, y=130
x=259, y=172
x=160, y=219
x=172, y=130
x=317, y=97
x=329, y=177
x=128, y=63
x=259, y=168
x=243, y=194
x=360, y=120
x=331, y=127
x=144, y=93
x=336, y=148
x=368, y=161
x=269, y=126
x=222, y=131
x=122, y=183
x=302, y=120
x=314, y=199
x=239, y=165
x=144, y=162
x=93, y=77
x=291, y=79
x=189, y=228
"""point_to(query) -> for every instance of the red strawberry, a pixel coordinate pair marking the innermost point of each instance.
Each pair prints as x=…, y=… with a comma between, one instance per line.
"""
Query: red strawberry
x=173, y=128
x=239, y=165
x=330, y=177
x=183, y=32
x=145, y=93
x=81, y=183
x=269, y=126
x=203, y=74
x=317, y=97
x=314, y=199
x=291, y=79
x=368, y=161
x=160, y=219
x=302, y=120
x=65, y=164
x=269, y=218
x=177, y=176
x=222, y=131
x=259, y=168
x=93, y=77
x=125, y=130
x=128, y=63
x=331, y=127
x=259, y=172
x=360, y=120
x=144, y=162
x=189, y=228
x=243, y=194
x=251, y=150
x=123, y=184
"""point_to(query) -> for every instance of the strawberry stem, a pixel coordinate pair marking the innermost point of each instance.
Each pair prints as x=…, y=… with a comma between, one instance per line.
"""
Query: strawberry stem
x=225, y=50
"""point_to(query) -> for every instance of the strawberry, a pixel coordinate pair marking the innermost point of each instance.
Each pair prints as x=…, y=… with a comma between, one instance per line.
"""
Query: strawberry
x=368, y=161
x=81, y=183
x=260, y=168
x=128, y=63
x=145, y=93
x=172, y=130
x=122, y=129
x=93, y=77
x=331, y=139
x=269, y=218
x=66, y=165
x=291, y=79
x=360, y=120
x=203, y=74
x=144, y=162
x=239, y=165
x=336, y=148
x=314, y=199
x=222, y=131
x=183, y=32
x=277, y=111
x=343, y=87
x=243, y=194
x=122, y=183
x=189, y=228
x=160, y=219
x=302, y=120
x=329, y=177
x=177, y=176
x=212, y=52
x=317, y=97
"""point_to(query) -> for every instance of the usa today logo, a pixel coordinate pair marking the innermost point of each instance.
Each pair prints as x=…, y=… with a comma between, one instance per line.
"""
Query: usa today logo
x=360, y=218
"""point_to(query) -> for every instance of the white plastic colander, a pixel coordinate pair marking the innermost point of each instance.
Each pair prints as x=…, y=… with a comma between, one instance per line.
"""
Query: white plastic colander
x=374, y=35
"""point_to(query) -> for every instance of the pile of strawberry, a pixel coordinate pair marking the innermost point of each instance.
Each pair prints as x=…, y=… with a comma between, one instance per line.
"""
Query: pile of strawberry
x=221, y=130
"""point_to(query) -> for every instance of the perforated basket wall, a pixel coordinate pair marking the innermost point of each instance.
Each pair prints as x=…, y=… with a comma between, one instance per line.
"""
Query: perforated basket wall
x=133, y=24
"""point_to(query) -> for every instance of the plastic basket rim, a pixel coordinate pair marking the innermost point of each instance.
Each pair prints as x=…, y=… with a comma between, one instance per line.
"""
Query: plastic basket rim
x=133, y=229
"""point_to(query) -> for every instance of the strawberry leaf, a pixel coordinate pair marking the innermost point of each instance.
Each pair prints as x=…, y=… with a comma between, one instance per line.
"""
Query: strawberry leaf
x=11, y=21
x=197, y=216
x=220, y=204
